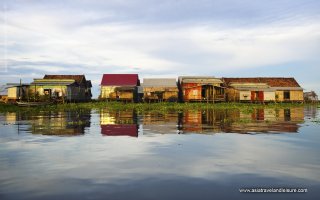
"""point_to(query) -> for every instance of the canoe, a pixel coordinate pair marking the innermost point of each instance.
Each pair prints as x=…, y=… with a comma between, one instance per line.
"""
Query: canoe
x=32, y=104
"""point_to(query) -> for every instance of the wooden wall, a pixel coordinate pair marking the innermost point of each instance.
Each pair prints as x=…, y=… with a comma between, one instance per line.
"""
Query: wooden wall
x=109, y=92
x=191, y=91
x=269, y=96
x=169, y=92
x=295, y=95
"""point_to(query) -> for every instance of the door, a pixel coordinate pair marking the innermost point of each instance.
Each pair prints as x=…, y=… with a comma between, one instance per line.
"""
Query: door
x=260, y=96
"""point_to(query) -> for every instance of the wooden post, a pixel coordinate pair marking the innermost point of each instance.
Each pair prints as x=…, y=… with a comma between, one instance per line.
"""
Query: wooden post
x=20, y=87
x=35, y=91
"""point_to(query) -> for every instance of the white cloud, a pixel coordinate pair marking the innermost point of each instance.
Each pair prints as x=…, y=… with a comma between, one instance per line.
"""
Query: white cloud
x=92, y=42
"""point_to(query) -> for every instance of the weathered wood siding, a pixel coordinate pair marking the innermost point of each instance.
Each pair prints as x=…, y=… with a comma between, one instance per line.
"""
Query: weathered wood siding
x=279, y=96
x=295, y=95
x=168, y=95
x=269, y=96
x=109, y=92
x=191, y=91
x=168, y=92
x=232, y=94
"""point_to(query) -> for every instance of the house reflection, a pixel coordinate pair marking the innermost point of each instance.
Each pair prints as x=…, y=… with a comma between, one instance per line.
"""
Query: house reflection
x=118, y=123
x=235, y=121
x=203, y=122
x=60, y=123
x=162, y=123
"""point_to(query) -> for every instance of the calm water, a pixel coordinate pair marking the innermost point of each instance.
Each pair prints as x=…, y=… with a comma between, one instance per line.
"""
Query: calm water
x=208, y=154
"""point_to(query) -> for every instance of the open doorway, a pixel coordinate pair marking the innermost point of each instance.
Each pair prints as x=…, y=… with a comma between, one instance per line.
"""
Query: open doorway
x=207, y=92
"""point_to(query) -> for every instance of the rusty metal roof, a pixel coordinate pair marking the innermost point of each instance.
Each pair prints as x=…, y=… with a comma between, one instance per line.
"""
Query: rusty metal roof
x=271, y=81
x=80, y=79
x=199, y=79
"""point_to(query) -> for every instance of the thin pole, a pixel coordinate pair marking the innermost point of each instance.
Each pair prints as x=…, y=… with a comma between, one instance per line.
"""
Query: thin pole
x=20, y=90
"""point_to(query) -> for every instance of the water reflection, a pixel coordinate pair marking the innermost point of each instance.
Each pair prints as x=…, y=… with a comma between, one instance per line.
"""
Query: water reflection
x=60, y=123
x=130, y=123
x=235, y=121
x=201, y=122
x=156, y=166
x=119, y=123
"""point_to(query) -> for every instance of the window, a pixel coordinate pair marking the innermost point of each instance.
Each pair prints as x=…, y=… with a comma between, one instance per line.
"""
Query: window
x=47, y=91
x=286, y=94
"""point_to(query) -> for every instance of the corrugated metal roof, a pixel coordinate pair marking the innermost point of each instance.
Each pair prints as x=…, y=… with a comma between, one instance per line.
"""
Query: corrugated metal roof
x=249, y=85
x=199, y=79
x=80, y=79
x=120, y=80
x=255, y=89
x=53, y=82
x=4, y=88
x=287, y=88
x=159, y=82
x=271, y=81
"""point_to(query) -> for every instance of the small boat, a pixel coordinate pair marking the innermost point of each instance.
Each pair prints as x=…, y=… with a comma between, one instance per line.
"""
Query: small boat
x=32, y=104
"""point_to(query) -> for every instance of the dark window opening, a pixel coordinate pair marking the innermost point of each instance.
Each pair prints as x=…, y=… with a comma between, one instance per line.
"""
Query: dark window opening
x=286, y=94
x=47, y=92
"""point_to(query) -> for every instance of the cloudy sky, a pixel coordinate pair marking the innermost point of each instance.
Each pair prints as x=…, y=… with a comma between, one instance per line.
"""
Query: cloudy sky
x=164, y=38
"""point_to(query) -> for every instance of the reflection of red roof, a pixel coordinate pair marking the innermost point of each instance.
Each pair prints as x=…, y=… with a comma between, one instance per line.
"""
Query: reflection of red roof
x=120, y=80
x=120, y=130
x=271, y=81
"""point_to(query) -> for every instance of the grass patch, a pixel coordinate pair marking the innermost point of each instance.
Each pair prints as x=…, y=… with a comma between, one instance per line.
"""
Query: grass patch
x=142, y=107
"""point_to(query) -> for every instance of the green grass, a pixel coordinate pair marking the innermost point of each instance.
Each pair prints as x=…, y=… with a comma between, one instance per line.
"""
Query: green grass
x=141, y=107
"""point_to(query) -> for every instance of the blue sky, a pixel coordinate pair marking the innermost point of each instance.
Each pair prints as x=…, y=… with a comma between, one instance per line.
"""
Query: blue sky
x=164, y=38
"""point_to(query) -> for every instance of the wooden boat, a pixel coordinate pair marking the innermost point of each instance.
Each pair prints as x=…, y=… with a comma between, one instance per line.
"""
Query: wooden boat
x=32, y=104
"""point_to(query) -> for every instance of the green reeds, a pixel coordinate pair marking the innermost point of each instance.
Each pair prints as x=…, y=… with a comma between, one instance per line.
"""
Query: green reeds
x=141, y=107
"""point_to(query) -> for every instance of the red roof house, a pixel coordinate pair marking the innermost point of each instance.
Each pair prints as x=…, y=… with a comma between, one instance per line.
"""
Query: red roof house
x=120, y=87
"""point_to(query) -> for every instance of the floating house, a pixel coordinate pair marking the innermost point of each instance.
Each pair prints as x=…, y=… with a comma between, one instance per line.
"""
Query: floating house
x=310, y=97
x=120, y=87
x=263, y=89
x=15, y=92
x=160, y=89
x=201, y=89
x=71, y=88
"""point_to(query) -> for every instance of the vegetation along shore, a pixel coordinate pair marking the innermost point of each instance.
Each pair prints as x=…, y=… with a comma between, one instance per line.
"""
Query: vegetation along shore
x=155, y=107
